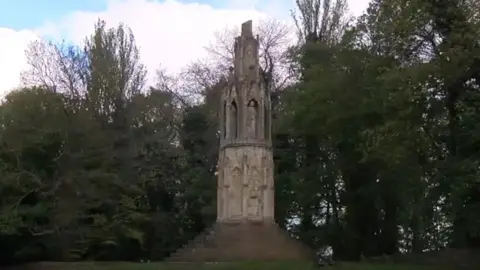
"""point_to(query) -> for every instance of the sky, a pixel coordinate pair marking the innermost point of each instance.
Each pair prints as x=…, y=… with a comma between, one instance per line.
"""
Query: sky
x=169, y=33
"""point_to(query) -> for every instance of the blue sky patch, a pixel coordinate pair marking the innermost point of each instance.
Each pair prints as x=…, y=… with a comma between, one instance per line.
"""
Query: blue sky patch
x=27, y=14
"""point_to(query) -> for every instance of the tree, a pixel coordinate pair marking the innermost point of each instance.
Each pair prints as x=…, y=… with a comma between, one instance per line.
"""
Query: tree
x=94, y=167
x=320, y=21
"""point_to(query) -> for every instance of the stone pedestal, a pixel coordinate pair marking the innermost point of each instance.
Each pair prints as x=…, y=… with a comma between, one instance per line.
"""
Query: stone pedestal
x=232, y=242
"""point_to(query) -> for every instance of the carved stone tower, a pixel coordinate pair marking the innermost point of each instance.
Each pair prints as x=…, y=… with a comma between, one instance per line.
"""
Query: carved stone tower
x=245, y=228
x=245, y=171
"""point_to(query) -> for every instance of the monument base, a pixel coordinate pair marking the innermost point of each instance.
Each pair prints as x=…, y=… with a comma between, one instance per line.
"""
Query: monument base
x=230, y=242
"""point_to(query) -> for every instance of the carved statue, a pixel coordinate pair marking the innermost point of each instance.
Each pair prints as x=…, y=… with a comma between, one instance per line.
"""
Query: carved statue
x=252, y=119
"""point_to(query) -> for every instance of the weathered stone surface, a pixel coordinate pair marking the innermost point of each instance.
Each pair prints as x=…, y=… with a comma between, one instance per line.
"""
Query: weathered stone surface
x=245, y=184
x=245, y=228
x=245, y=176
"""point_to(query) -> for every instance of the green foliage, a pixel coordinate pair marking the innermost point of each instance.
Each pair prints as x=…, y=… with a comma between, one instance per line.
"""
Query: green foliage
x=71, y=163
x=385, y=109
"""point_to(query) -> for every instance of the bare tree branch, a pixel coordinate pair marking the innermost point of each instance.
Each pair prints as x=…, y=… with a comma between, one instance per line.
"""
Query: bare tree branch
x=320, y=20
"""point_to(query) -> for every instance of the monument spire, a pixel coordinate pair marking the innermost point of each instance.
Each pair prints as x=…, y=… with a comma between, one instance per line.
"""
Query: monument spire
x=247, y=29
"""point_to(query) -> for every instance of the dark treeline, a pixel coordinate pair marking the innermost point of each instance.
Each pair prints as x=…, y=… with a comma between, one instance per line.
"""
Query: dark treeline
x=376, y=136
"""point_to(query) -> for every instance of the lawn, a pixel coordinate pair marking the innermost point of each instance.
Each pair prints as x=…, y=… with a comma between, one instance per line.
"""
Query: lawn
x=219, y=266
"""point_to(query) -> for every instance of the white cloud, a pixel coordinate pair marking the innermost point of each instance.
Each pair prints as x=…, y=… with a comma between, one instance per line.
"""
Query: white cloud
x=357, y=7
x=12, y=56
x=169, y=33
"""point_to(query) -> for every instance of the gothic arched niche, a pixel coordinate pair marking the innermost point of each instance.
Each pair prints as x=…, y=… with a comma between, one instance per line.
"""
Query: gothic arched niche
x=255, y=194
x=252, y=118
x=236, y=193
x=233, y=120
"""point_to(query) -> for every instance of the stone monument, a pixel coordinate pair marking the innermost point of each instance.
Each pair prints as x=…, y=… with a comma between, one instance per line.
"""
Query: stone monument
x=245, y=175
x=245, y=228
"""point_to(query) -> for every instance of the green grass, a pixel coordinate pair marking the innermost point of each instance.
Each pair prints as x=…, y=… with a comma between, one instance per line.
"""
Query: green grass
x=223, y=266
